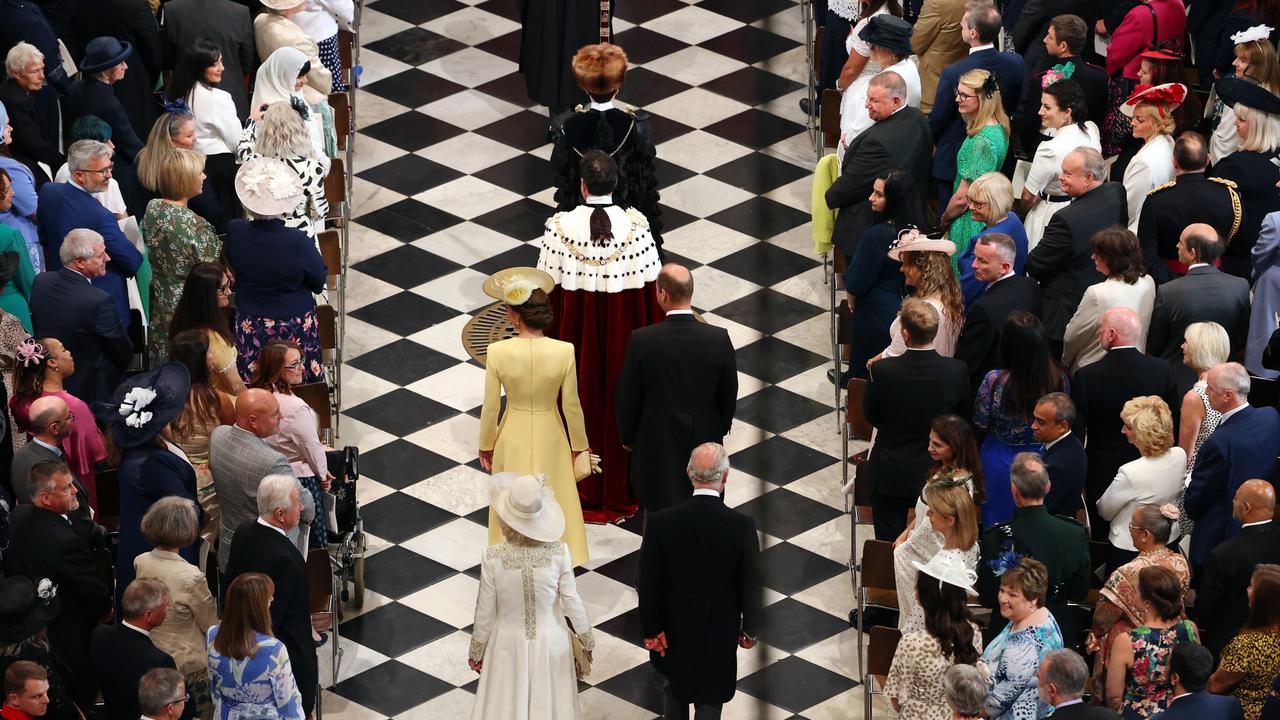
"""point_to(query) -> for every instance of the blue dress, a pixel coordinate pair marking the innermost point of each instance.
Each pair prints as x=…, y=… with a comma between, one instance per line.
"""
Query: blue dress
x=1013, y=658
x=25, y=203
x=259, y=687
x=876, y=283
x=971, y=286
x=1006, y=437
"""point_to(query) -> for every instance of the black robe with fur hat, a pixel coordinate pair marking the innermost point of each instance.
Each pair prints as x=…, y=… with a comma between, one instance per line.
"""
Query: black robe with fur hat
x=551, y=32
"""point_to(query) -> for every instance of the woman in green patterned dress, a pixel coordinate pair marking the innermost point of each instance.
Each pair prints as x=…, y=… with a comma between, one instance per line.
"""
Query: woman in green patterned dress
x=177, y=240
x=983, y=151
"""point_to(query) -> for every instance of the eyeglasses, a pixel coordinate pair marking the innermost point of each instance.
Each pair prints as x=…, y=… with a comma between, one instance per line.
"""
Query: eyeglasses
x=225, y=289
x=295, y=365
x=977, y=203
x=961, y=97
x=183, y=699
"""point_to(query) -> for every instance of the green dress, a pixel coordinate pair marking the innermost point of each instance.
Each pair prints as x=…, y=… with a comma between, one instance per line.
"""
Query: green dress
x=177, y=240
x=16, y=293
x=979, y=154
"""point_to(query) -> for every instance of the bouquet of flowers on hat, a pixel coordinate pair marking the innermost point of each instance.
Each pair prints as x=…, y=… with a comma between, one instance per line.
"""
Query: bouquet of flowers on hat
x=1057, y=73
x=1257, y=32
x=133, y=404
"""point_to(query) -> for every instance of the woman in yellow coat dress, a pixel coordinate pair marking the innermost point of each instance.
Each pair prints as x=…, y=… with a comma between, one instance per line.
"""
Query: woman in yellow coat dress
x=541, y=382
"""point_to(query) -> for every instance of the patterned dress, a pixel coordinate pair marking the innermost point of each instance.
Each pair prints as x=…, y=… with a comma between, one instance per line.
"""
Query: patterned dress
x=259, y=687
x=1006, y=437
x=310, y=170
x=1148, y=687
x=1012, y=659
x=920, y=546
x=1121, y=590
x=177, y=240
x=979, y=154
x=915, y=677
x=1212, y=418
x=1257, y=655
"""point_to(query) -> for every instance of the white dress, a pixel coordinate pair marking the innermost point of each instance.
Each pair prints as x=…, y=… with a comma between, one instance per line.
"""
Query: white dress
x=1045, y=168
x=853, y=105
x=1149, y=169
x=521, y=635
x=921, y=545
x=944, y=342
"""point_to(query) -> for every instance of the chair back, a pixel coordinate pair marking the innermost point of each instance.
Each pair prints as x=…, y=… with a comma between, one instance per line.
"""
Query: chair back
x=327, y=318
x=316, y=395
x=877, y=565
x=829, y=101
x=341, y=104
x=330, y=242
x=346, y=44
x=881, y=648
x=859, y=428
x=335, y=187
x=844, y=322
x=319, y=581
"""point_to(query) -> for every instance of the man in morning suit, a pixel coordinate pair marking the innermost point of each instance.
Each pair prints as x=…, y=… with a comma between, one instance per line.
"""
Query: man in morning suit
x=1223, y=599
x=1058, y=41
x=224, y=23
x=678, y=389
x=1063, y=261
x=262, y=545
x=979, y=342
x=43, y=544
x=122, y=654
x=50, y=421
x=980, y=29
x=904, y=395
x=700, y=591
x=1244, y=447
x=1060, y=680
x=1101, y=389
x=898, y=139
x=65, y=305
x=1190, y=666
x=1063, y=453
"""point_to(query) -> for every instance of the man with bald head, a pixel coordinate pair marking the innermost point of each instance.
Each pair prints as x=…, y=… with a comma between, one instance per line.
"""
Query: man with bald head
x=1244, y=447
x=1101, y=389
x=1223, y=595
x=678, y=389
x=239, y=458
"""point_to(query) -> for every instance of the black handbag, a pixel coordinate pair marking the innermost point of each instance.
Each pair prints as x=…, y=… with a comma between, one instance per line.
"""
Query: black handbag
x=344, y=466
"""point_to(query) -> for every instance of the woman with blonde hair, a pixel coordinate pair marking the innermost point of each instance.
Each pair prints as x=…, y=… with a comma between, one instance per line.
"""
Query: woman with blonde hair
x=991, y=204
x=249, y=670
x=1205, y=345
x=175, y=130
x=282, y=133
x=1257, y=125
x=1151, y=110
x=926, y=266
x=983, y=151
x=946, y=523
x=1254, y=58
x=1155, y=478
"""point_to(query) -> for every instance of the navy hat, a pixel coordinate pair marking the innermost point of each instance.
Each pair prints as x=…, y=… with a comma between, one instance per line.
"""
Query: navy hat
x=147, y=402
x=889, y=32
x=104, y=53
x=1234, y=90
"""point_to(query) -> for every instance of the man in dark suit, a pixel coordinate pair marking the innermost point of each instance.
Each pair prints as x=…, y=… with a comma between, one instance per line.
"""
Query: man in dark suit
x=700, y=591
x=1063, y=453
x=224, y=23
x=899, y=139
x=980, y=28
x=1101, y=389
x=1222, y=601
x=1060, y=680
x=1058, y=41
x=1063, y=261
x=261, y=545
x=43, y=544
x=979, y=343
x=122, y=654
x=1204, y=294
x=133, y=22
x=904, y=395
x=1244, y=447
x=1190, y=666
x=51, y=422
x=677, y=389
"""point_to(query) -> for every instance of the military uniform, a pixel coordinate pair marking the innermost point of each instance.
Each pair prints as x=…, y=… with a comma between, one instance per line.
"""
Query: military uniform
x=1170, y=208
x=1060, y=543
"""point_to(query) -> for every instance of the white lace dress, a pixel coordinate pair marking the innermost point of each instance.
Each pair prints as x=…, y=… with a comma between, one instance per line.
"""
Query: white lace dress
x=921, y=545
x=521, y=635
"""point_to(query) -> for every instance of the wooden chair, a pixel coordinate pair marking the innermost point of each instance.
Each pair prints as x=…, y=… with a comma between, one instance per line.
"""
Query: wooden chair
x=829, y=120
x=330, y=242
x=316, y=395
x=880, y=651
x=878, y=587
x=854, y=426
x=330, y=321
x=321, y=597
x=341, y=105
x=346, y=49
x=335, y=191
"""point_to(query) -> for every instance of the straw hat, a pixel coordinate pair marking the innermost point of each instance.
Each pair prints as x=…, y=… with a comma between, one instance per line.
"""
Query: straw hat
x=526, y=504
x=912, y=240
x=1167, y=96
x=281, y=4
x=950, y=568
x=513, y=285
x=267, y=187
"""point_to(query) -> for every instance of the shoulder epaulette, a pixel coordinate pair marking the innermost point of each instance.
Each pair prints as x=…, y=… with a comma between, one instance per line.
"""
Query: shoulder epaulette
x=1223, y=181
x=1236, y=208
x=1165, y=186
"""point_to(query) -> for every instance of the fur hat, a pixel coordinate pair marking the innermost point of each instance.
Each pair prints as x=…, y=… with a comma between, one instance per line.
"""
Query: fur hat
x=599, y=69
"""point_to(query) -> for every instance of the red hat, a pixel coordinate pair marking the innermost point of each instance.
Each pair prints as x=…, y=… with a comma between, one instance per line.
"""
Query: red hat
x=1156, y=54
x=1166, y=96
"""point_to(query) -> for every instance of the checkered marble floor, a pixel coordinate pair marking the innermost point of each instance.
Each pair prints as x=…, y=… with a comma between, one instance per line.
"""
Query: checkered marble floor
x=452, y=183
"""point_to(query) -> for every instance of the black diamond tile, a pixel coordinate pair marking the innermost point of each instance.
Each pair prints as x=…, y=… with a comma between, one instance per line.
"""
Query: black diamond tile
x=758, y=173
x=412, y=131
x=413, y=88
x=662, y=129
x=768, y=311
x=755, y=129
x=764, y=264
x=792, y=626
x=406, y=266
x=783, y=514
x=403, y=362
x=761, y=217
x=778, y=410
x=773, y=361
x=525, y=131
x=673, y=218
x=638, y=13
x=408, y=219
x=399, y=517
x=391, y=688
x=642, y=685
x=523, y=219
x=510, y=88
x=479, y=517
x=747, y=12
x=524, y=256
x=626, y=626
x=506, y=46
x=778, y=460
x=394, y=629
x=509, y=9
x=399, y=464
x=624, y=569
x=523, y=174
x=645, y=87
x=671, y=257
x=752, y=86
x=397, y=572
x=644, y=45
x=795, y=684
x=749, y=44
x=668, y=173
x=789, y=569
x=410, y=174
x=417, y=11
x=401, y=412
x=404, y=313
x=416, y=45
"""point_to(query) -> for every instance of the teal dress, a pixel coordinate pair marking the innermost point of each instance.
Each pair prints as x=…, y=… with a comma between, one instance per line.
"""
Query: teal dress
x=979, y=154
x=16, y=293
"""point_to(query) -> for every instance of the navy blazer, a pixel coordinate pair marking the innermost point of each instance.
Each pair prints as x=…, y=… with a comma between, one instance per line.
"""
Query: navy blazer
x=147, y=474
x=64, y=305
x=277, y=268
x=1067, y=466
x=65, y=207
x=1202, y=705
x=1243, y=447
x=89, y=96
x=944, y=119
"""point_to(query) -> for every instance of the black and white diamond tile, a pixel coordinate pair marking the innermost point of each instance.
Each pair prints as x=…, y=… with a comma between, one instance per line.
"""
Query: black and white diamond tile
x=452, y=182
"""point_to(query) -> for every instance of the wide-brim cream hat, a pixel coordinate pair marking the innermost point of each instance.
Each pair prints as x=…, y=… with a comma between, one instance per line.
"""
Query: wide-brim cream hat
x=267, y=187
x=281, y=4
x=526, y=504
x=912, y=240
x=513, y=285
x=951, y=569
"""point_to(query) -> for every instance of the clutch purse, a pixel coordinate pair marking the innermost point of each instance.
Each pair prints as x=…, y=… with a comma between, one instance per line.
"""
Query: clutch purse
x=585, y=465
x=580, y=659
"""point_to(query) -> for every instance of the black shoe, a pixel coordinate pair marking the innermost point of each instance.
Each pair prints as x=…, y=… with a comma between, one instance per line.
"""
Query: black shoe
x=875, y=616
x=844, y=377
x=324, y=638
x=809, y=108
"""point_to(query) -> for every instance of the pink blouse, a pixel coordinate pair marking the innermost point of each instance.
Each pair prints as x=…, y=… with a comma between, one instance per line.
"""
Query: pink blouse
x=298, y=438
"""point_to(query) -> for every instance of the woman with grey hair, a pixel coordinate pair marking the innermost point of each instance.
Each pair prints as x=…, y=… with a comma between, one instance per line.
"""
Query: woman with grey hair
x=966, y=687
x=281, y=133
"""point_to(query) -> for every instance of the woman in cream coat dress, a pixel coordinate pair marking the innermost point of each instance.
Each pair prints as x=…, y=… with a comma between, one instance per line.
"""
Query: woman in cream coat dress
x=538, y=373
x=1118, y=256
x=1062, y=108
x=1153, y=122
x=275, y=29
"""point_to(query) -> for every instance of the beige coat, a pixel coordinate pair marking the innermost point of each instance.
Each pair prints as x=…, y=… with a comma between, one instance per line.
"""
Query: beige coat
x=191, y=608
x=936, y=40
x=272, y=32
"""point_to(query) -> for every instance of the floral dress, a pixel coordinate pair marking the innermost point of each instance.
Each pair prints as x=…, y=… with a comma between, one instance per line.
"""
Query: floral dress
x=979, y=154
x=1121, y=590
x=915, y=677
x=258, y=687
x=1012, y=659
x=177, y=240
x=1148, y=687
x=1257, y=655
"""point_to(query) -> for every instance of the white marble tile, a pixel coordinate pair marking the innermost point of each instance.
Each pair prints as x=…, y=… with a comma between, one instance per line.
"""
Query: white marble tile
x=716, y=287
x=369, y=490
x=788, y=23
x=467, y=197
x=471, y=26
x=821, y=433
x=461, y=387
x=456, y=438
x=365, y=289
x=799, y=239
x=375, y=544
x=742, y=436
x=822, y=486
x=696, y=107
x=740, y=335
x=461, y=490
x=609, y=542
x=745, y=707
x=704, y=242
x=445, y=658
x=377, y=66
x=452, y=600
x=790, y=64
x=833, y=595
x=830, y=539
x=838, y=653
x=355, y=659
x=366, y=437
x=375, y=26
x=807, y=286
x=456, y=703
x=458, y=544
x=470, y=67
x=469, y=152
x=813, y=384
x=692, y=24
x=372, y=601
x=813, y=335
x=470, y=109
x=546, y=196
x=743, y=488
x=748, y=385
x=605, y=598
x=359, y=386
x=797, y=194
x=371, y=152
x=597, y=704
x=613, y=656
x=788, y=106
x=360, y=337
x=701, y=151
x=337, y=707
x=445, y=337
x=364, y=242
x=467, y=244
x=543, y=151
x=797, y=149
x=372, y=109
x=460, y=290
x=694, y=65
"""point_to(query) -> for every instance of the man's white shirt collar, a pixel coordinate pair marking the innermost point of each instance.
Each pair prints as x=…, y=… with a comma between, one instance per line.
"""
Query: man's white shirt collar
x=599, y=199
x=681, y=311
x=988, y=46
x=706, y=491
x=607, y=105
x=131, y=626
x=1233, y=411
x=1051, y=443
x=273, y=527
